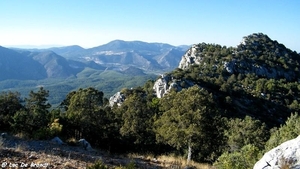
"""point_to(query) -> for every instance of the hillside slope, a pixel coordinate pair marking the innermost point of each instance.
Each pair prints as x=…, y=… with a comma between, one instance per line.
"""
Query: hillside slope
x=260, y=77
x=14, y=65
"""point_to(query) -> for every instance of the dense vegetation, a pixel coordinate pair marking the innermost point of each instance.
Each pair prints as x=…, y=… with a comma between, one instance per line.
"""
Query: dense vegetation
x=228, y=118
x=109, y=82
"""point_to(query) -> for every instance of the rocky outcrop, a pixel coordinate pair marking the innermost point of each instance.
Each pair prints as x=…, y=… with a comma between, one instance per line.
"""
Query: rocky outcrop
x=190, y=58
x=166, y=83
x=246, y=67
x=161, y=85
x=285, y=155
x=117, y=98
x=256, y=54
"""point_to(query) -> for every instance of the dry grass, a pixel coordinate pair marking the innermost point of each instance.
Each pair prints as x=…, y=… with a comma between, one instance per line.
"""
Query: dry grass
x=286, y=163
x=21, y=136
x=64, y=156
x=170, y=161
x=20, y=147
x=181, y=162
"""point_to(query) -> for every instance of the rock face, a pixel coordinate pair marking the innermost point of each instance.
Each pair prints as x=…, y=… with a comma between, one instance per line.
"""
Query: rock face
x=161, y=86
x=190, y=57
x=166, y=83
x=285, y=155
x=117, y=98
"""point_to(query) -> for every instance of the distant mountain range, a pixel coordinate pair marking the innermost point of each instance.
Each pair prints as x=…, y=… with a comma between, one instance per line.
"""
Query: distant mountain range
x=62, y=62
x=108, y=67
x=158, y=57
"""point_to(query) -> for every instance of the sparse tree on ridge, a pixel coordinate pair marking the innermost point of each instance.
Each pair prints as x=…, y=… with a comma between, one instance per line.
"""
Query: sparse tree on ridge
x=136, y=119
x=83, y=110
x=189, y=121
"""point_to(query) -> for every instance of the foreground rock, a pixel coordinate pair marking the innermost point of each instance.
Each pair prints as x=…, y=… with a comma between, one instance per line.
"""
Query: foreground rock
x=85, y=144
x=57, y=140
x=286, y=155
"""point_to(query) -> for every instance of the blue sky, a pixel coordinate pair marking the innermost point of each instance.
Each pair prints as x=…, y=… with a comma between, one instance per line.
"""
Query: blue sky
x=177, y=22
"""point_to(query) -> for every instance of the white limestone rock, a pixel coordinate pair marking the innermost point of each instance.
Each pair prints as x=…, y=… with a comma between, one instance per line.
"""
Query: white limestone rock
x=229, y=66
x=286, y=153
x=117, y=98
x=166, y=83
x=190, y=58
x=161, y=86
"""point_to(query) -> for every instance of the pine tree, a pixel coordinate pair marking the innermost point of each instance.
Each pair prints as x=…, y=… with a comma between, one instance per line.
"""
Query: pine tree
x=190, y=120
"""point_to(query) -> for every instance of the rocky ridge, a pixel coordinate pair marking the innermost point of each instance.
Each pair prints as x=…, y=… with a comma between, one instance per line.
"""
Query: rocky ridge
x=259, y=77
x=249, y=57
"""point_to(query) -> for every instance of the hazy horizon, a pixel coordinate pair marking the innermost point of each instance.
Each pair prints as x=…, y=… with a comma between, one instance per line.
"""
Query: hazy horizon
x=56, y=45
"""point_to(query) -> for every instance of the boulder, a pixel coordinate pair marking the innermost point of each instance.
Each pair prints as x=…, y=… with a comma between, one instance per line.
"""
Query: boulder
x=57, y=140
x=286, y=155
x=85, y=144
x=3, y=135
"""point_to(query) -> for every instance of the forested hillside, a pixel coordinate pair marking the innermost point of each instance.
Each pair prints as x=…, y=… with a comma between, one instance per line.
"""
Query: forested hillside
x=259, y=77
x=108, y=67
x=223, y=105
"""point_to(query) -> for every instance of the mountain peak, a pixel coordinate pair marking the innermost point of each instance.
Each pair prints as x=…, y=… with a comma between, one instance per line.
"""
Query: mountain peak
x=257, y=54
x=131, y=45
x=255, y=37
x=133, y=71
x=257, y=40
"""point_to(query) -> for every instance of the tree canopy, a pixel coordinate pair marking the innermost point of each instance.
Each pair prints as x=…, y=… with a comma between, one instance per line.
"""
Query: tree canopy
x=190, y=120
